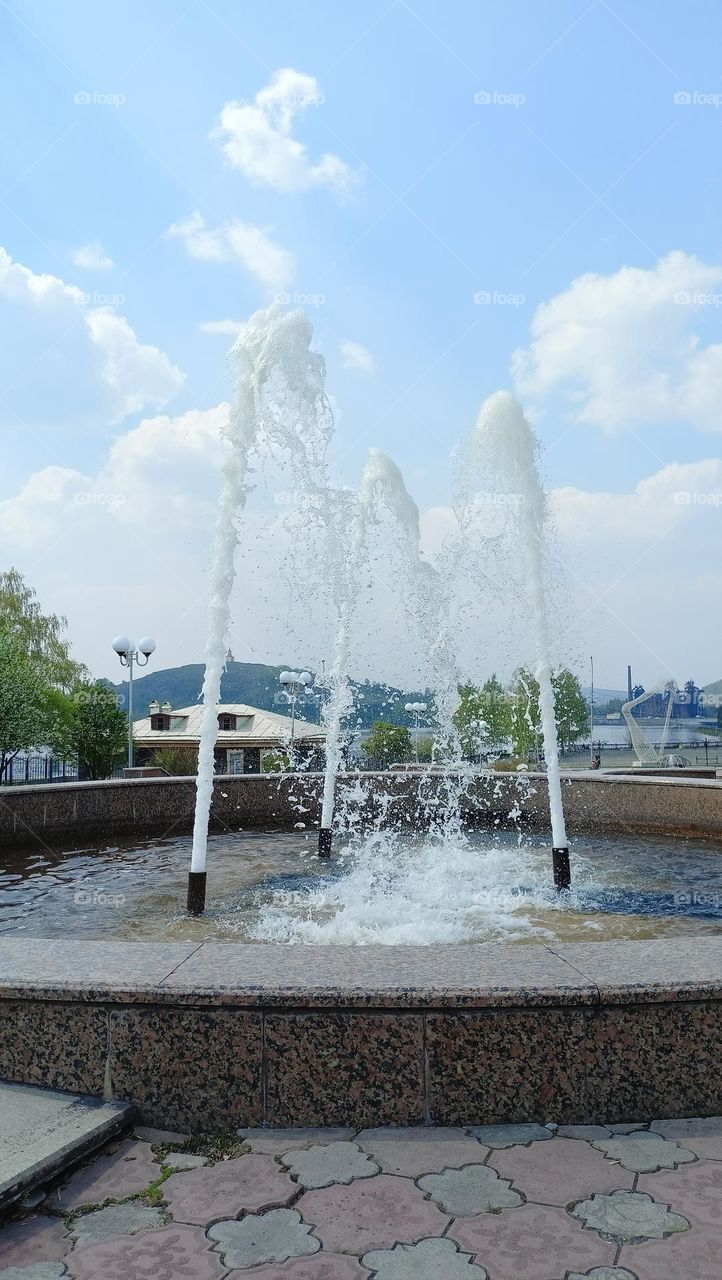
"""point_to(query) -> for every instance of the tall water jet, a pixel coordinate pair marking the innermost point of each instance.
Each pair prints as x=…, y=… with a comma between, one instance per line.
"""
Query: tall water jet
x=279, y=401
x=507, y=439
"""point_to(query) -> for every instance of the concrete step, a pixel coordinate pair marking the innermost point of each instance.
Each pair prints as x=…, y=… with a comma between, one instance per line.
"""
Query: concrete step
x=41, y=1132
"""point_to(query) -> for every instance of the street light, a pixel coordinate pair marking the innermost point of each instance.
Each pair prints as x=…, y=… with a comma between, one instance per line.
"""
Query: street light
x=294, y=682
x=417, y=709
x=132, y=655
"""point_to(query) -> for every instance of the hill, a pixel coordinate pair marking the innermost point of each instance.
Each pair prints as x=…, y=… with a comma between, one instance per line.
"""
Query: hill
x=258, y=686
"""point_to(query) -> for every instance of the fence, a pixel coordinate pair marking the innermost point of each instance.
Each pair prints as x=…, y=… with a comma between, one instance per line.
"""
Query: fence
x=37, y=767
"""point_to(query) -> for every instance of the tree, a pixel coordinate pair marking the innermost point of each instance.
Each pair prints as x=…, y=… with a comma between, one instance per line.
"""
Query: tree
x=40, y=634
x=96, y=734
x=387, y=744
x=22, y=701
x=483, y=717
x=571, y=710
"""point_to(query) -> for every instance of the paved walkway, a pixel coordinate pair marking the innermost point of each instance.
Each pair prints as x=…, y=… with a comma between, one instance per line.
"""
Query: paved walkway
x=514, y=1202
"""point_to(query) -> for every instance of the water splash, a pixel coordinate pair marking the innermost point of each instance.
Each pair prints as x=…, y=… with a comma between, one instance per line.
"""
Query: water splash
x=279, y=403
x=506, y=440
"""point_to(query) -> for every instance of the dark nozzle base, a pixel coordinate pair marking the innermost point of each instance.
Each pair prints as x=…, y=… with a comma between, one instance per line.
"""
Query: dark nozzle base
x=325, y=838
x=196, y=901
x=562, y=872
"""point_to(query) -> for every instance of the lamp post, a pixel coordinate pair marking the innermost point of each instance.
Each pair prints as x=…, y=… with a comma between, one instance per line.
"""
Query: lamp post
x=417, y=709
x=132, y=656
x=591, y=715
x=294, y=682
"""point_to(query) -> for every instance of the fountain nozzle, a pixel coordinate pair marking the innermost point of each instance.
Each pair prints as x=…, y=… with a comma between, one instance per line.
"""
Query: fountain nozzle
x=325, y=836
x=196, y=901
x=560, y=866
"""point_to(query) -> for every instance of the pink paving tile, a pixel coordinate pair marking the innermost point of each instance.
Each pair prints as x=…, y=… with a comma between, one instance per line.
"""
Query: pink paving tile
x=694, y=1190
x=414, y=1152
x=324, y=1266
x=168, y=1254
x=532, y=1243
x=694, y=1255
x=37, y=1238
x=372, y=1214
x=224, y=1190
x=129, y=1168
x=559, y=1171
x=704, y=1137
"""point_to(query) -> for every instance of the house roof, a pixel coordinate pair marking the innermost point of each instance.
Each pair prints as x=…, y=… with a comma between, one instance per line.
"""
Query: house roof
x=254, y=726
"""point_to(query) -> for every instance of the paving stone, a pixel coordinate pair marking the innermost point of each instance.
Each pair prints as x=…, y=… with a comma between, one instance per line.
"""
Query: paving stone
x=644, y=1153
x=159, y=1137
x=109, y=1177
x=165, y=1255
x=695, y=1191
x=275, y=1141
x=181, y=1160
x=115, y=1220
x=523, y=1243
x=322, y=1266
x=602, y=1273
x=37, y=1238
x=511, y=1135
x=555, y=1173
x=37, y=1271
x=324, y=1166
x=703, y=1136
x=463, y=1192
x=413, y=1152
x=268, y=1237
x=249, y=1183
x=427, y=1260
x=371, y=1214
x=693, y=1256
x=629, y=1215
x=584, y=1132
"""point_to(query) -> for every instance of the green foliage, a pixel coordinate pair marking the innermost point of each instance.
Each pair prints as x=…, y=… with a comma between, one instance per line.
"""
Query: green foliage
x=97, y=730
x=275, y=761
x=22, y=700
x=39, y=634
x=572, y=712
x=387, y=744
x=483, y=717
x=181, y=761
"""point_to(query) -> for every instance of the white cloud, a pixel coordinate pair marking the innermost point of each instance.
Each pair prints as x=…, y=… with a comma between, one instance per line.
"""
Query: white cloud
x=256, y=138
x=622, y=348
x=237, y=241
x=229, y=328
x=91, y=257
x=66, y=361
x=354, y=356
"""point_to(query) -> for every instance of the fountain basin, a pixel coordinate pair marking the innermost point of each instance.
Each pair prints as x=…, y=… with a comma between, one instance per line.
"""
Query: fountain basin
x=213, y=1036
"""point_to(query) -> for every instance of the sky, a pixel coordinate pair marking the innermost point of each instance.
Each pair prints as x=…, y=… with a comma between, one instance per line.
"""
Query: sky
x=463, y=198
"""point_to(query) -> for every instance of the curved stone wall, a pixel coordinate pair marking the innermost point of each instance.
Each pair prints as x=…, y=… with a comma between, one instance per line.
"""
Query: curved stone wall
x=149, y=807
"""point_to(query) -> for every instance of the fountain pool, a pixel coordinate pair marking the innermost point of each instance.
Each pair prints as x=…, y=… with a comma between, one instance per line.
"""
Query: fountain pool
x=383, y=888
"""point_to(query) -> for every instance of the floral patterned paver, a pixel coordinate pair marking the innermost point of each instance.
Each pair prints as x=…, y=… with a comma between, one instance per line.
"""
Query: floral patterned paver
x=506, y=1202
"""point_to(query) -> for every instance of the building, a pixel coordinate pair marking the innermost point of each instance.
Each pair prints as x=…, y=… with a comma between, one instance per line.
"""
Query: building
x=244, y=734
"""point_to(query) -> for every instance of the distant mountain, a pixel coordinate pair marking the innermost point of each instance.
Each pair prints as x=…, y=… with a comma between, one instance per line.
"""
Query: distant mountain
x=258, y=686
x=714, y=687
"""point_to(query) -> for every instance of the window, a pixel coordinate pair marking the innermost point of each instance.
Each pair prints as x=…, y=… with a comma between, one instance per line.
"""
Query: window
x=160, y=722
x=226, y=721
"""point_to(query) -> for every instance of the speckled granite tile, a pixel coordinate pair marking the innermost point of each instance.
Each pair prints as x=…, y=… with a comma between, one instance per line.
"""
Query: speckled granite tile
x=188, y=1069
x=646, y=1063
x=655, y=969
x=487, y=1068
x=344, y=1068
x=41, y=968
x=476, y=975
x=59, y=1046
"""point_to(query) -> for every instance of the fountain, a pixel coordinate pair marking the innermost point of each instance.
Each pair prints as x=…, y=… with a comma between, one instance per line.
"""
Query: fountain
x=280, y=403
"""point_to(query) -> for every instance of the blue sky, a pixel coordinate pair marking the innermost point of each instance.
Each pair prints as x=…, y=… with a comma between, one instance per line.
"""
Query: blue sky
x=582, y=161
